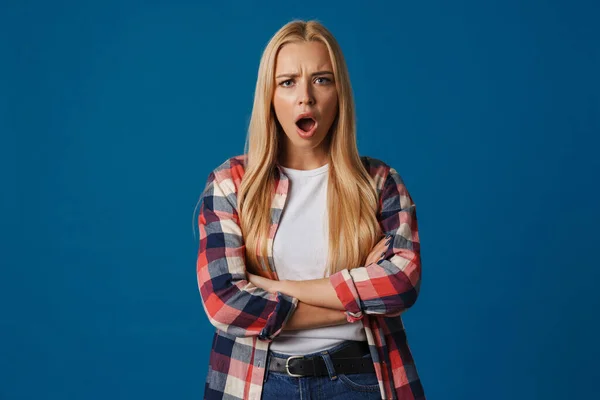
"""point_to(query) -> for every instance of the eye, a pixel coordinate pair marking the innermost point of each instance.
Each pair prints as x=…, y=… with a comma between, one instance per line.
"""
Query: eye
x=325, y=80
x=284, y=83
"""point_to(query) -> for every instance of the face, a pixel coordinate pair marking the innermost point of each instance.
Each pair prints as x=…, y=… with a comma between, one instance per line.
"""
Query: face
x=304, y=87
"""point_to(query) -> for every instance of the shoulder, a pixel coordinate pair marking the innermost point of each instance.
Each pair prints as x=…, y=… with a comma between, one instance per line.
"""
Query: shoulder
x=377, y=169
x=375, y=166
x=231, y=165
x=387, y=179
x=228, y=174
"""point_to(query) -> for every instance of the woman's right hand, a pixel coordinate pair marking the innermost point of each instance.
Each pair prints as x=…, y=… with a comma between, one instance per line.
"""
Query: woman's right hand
x=379, y=250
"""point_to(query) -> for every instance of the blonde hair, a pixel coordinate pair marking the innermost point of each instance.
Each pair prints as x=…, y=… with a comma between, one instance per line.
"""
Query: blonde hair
x=351, y=193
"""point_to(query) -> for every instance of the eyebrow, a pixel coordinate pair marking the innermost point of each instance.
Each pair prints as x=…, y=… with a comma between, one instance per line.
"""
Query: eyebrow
x=295, y=75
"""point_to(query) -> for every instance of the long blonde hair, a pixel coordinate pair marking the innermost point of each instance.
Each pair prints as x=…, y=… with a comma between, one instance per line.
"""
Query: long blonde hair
x=351, y=193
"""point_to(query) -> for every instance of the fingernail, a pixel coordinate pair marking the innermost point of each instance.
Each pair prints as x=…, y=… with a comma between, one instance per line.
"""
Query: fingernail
x=388, y=242
x=382, y=254
x=388, y=236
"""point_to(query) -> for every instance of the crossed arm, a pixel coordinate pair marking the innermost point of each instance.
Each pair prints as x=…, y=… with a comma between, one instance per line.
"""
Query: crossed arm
x=316, y=292
x=318, y=305
x=307, y=316
x=240, y=306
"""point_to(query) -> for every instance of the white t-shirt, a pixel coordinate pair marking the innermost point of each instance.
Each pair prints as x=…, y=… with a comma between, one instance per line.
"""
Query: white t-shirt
x=300, y=251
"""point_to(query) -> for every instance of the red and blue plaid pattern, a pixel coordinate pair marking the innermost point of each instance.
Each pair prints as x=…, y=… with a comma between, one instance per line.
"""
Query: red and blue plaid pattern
x=247, y=318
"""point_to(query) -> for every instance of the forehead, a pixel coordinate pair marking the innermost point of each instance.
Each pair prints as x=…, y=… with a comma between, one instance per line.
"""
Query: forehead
x=296, y=56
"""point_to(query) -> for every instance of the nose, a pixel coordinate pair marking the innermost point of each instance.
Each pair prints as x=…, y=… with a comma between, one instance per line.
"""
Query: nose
x=305, y=95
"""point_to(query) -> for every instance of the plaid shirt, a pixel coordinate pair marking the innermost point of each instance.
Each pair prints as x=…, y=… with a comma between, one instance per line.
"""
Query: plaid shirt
x=247, y=318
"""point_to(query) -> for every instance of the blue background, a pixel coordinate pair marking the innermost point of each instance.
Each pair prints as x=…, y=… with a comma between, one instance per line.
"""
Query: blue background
x=114, y=113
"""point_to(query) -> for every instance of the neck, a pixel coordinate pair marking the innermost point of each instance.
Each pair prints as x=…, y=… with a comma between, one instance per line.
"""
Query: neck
x=304, y=159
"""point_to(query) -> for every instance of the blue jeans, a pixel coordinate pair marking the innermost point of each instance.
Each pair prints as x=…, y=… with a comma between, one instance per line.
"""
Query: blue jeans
x=352, y=386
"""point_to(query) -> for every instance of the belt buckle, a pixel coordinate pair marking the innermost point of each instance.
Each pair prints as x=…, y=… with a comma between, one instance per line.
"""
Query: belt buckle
x=287, y=367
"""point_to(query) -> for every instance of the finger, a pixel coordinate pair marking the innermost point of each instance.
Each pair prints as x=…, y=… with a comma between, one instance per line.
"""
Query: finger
x=383, y=244
x=388, y=240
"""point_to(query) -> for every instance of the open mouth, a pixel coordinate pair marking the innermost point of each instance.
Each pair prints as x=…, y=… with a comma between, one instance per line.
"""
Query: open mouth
x=305, y=124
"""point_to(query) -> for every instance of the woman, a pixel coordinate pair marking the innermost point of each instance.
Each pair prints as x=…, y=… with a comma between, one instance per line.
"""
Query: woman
x=314, y=311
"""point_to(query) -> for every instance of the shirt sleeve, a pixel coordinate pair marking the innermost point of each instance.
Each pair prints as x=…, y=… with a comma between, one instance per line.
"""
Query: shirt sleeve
x=231, y=302
x=390, y=286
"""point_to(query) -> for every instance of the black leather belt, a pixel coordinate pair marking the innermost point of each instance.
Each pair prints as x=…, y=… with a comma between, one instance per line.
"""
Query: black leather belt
x=345, y=361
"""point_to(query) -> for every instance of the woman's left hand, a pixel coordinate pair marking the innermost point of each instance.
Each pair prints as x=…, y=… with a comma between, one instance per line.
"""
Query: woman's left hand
x=270, y=285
